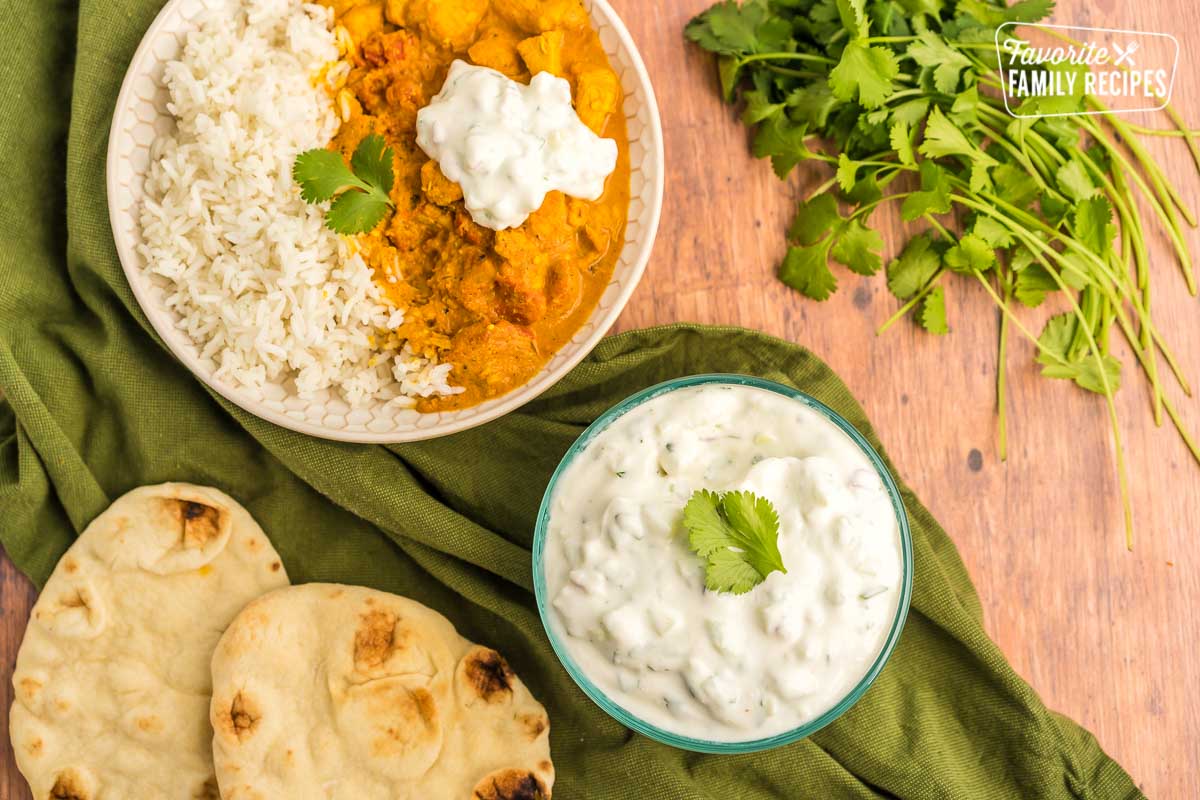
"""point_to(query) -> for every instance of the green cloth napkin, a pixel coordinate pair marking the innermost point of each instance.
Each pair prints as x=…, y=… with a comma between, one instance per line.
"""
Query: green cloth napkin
x=95, y=406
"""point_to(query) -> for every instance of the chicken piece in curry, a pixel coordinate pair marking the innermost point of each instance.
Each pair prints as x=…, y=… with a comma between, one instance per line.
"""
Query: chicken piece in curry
x=495, y=304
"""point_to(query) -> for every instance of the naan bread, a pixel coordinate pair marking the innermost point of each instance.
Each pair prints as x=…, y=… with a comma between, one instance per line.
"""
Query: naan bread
x=113, y=679
x=324, y=692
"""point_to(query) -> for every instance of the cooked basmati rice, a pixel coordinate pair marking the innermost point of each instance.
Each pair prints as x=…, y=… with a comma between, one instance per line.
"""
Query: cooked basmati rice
x=266, y=292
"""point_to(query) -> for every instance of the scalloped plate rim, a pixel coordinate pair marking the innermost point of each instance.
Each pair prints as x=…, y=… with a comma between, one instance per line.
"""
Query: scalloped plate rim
x=601, y=320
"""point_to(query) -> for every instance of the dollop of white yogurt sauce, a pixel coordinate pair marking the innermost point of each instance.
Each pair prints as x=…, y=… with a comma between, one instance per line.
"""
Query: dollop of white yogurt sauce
x=507, y=144
x=628, y=596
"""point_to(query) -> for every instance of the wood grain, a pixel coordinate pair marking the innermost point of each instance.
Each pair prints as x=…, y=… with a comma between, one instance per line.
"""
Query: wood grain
x=1107, y=637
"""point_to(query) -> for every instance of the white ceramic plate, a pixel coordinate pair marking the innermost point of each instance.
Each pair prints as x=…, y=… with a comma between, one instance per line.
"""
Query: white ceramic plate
x=141, y=115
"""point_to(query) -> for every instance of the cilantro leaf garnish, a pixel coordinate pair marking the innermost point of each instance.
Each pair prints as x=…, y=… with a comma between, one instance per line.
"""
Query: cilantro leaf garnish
x=737, y=534
x=360, y=191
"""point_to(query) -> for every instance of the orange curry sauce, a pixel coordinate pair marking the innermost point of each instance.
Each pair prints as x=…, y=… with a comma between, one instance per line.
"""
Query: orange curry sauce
x=496, y=305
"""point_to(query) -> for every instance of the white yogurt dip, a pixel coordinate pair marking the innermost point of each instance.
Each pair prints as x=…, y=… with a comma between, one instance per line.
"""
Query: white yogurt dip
x=627, y=595
x=507, y=144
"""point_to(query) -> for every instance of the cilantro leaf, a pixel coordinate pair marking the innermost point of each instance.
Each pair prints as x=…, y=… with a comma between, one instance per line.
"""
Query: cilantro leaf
x=993, y=15
x=812, y=103
x=901, y=141
x=847, y=172
x=944, y=138
x=858, y=247
x=854, y=18
x=1093, y=225
x=865, y=191
x=971, y=254
x=737, y=534
x=1074, y=181
x=911, y=112
x=727, y=571
x=931, y=50
x=865, y=72
x=980, y=180
x=932, y=316
x=916, y=266
x=991, y=231
x=707, y=529
x=1058, y=360
x=759, y=107
x=372, y=163
x=729, y=72
x=359, y=192
x=730, y=28
x=355, y=212
x=815, y=217
x=934, y=197
x=321, y=174
x=931, y=7
x=1015, y=185
x=1032, y=284
x=806, y=269
x=782, y=141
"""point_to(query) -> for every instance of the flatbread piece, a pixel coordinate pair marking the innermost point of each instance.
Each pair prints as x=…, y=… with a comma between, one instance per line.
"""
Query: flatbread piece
x=113, y=677
x=327, y=692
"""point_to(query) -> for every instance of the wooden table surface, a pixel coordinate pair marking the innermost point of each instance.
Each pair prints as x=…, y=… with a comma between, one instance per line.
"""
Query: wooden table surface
x=1108, y=637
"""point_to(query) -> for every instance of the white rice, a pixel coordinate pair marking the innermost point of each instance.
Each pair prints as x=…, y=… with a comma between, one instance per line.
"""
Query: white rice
x=268, y=294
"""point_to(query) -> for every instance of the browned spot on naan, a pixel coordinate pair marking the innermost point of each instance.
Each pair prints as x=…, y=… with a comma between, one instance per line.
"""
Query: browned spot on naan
x=207, y=791
x=414, y=714
x=489, y=674
x=375, y=639
x=242, y=718
x=198, y=523
x=69, y=786
x=534, y=725
x=511, y=784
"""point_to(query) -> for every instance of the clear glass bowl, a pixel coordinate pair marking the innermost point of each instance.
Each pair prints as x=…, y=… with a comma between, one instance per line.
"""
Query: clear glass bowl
x=615, y=710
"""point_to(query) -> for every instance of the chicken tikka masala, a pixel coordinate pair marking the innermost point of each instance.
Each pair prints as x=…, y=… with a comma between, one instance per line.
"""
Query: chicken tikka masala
x=495, y=304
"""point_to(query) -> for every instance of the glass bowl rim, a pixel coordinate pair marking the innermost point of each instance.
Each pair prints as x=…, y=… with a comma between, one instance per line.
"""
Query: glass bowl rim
x=614, y=709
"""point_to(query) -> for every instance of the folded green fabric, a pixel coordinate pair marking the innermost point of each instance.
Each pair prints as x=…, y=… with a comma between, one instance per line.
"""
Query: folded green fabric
x=95, y=406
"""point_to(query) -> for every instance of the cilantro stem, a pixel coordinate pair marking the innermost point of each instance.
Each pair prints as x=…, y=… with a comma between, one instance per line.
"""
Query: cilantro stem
x=1039, y=248
x=1171, y=225
x=900, y=95
x=1002, y=372
x=866, y=208
x=1172, y=114
x=1022, y=158
x=911, y=304
x=1182, y=133
x=794, y=73
x=1122, y=476
x=1168, y=193
x=784, y=56
x=1072, y=244
x=823, y=188
x=1189, y=135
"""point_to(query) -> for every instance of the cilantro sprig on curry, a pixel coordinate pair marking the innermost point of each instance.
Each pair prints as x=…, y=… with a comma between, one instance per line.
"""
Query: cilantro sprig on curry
x=496, y=304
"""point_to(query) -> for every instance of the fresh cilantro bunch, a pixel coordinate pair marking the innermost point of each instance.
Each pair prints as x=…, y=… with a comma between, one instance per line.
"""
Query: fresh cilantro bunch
x=737, y=535
x=901, y=100
x=360, y=192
